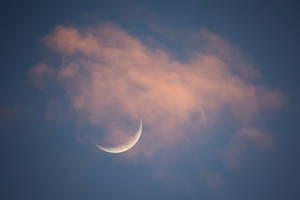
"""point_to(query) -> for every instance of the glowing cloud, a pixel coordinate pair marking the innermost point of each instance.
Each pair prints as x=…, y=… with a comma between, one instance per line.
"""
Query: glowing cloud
x=114, y=79
x=39, y=74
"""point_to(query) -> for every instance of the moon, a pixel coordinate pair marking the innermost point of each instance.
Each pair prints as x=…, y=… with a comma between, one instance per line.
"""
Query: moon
x=126, y=146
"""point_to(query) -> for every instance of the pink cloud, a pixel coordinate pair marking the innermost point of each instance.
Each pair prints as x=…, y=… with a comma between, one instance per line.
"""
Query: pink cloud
x=39, y=74
x=242, y=141
x=257, y=136
x=115, y=80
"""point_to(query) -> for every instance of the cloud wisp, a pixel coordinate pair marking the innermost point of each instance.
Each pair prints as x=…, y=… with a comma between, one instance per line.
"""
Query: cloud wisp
x=115, y=80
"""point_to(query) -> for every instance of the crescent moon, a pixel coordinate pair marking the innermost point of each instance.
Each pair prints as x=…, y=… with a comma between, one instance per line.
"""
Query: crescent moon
x=124, y=147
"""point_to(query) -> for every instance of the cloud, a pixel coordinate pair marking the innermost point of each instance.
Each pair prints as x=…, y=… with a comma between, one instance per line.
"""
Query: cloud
x=39, y=75
x=241, y=142
x=114, y=79
x=257, y=136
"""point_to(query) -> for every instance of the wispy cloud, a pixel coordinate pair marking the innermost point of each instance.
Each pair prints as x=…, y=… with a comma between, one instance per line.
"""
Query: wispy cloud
x=39, y=75
x=241, y=142
x=115, y=80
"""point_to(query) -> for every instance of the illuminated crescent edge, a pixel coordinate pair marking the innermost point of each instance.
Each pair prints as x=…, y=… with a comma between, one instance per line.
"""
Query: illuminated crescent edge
x=124, y=147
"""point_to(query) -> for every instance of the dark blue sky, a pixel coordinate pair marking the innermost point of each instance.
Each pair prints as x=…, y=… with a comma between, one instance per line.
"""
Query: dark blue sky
x=46, y=159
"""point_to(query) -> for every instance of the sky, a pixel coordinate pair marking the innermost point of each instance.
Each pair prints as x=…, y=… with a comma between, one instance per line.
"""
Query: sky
x=215, y=84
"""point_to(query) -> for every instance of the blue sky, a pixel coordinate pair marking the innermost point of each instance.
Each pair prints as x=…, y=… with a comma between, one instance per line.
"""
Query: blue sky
x=204, y=143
